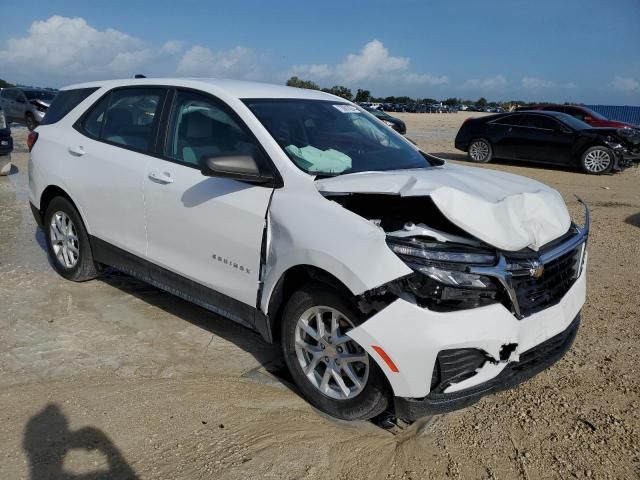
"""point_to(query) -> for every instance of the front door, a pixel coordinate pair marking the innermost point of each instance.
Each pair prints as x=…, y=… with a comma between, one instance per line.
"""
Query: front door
x=206, y=229
x=546, y=140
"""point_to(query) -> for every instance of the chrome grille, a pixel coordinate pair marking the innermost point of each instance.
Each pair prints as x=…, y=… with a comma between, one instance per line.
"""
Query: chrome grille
x=535, y=294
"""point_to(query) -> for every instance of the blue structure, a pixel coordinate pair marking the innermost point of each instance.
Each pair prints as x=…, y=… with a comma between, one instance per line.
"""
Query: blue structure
x=620, y=113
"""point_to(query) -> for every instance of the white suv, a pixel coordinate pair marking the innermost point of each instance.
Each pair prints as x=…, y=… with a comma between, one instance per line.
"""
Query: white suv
x=394, y=281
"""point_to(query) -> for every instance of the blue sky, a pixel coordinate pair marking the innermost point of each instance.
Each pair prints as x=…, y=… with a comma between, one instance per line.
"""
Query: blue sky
x=570, y=50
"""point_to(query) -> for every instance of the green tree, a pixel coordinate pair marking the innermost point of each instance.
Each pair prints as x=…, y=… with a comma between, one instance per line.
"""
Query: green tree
x=482, y=102
x=339, y=91
x=5, y=84
x=299, y=83
x=362, y=95
x=451, y=101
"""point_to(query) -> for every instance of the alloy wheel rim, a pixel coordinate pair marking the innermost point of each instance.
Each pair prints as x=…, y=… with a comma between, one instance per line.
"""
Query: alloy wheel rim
x=332, y=362
x=597, y=161
x=479, y=151
x=64, y=240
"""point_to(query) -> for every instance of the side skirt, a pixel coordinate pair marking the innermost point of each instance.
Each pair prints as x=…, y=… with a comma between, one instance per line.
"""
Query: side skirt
x=187, y=289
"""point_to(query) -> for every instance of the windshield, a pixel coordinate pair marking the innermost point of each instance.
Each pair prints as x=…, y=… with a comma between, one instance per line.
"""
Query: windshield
x=573, y=122
x=331, y=138
x=595, y=115
x=39, y=95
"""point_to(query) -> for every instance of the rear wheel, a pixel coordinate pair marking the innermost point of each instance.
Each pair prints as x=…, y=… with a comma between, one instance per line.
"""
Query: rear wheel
x=480, y=151
x=67, y=241
x=597, y=160
x=333, y=372
x=30, y=121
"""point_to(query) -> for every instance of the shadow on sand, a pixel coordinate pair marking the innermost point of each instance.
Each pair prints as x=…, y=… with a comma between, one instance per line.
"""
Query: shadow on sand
x=48, y=440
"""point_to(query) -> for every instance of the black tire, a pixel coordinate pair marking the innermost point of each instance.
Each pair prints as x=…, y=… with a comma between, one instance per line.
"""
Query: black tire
x=372, y=399
x=589, y=160
x=30, y=121
x=84, y=268
x=480, y=145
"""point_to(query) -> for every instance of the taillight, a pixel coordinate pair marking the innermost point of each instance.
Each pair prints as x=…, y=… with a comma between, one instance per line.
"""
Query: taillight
x=31, y=140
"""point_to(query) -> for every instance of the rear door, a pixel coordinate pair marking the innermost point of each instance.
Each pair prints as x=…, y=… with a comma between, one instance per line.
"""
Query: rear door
x=111, y=149
x=209, y=230
x=504, y=134
x=9, y=104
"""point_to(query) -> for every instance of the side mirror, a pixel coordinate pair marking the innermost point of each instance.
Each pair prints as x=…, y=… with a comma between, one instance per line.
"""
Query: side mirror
x=243, y=168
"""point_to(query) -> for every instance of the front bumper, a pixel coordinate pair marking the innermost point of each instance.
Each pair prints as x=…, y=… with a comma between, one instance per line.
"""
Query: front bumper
x=412, y=338
x=531, y=363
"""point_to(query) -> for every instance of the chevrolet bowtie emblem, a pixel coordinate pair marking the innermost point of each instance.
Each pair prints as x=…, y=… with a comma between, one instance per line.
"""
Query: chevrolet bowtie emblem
x=536, y=270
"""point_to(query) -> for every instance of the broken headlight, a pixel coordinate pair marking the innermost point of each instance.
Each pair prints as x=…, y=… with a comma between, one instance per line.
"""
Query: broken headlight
x=442, y=280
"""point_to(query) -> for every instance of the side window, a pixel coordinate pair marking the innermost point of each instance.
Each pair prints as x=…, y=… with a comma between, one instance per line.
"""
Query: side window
x=513, y=120
x=93, y=122
x=575, y=112
x=127, y=117
x=540, y=121
x=200, y=127
x=64, y=102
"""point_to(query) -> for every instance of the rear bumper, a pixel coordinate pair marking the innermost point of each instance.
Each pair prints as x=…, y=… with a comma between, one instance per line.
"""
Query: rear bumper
x=460, y=145
x=6, y=142
x=531, y=362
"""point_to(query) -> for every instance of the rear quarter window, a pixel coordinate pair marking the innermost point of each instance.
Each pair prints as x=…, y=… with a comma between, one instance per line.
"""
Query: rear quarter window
x=64, y=102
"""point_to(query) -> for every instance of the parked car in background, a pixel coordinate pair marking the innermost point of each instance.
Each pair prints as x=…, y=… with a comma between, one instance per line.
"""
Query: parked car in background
x=392, y=280
x=395, y=123
x=580, y=112
x=6, y=141
x=545, y=137
x=26, y=105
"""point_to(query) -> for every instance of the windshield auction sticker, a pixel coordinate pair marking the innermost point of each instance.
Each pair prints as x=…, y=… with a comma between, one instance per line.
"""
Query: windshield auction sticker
x=347, y=108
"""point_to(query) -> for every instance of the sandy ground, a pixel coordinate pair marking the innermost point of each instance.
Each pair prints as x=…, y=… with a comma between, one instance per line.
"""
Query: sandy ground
x=115, y=379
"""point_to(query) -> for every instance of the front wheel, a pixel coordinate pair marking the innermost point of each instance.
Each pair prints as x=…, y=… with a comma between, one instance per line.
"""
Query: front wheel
x=480, y=151
x=331, y=370
x=597, y=160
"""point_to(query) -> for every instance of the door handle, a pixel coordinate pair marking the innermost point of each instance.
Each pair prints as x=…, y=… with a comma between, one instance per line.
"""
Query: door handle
x=77, y=151
x=510, y=128
x=162, y=177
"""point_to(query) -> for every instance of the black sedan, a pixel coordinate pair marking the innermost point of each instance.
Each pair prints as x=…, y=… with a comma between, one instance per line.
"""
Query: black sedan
x=6, y=142
x=546, y=137
x=395, y=123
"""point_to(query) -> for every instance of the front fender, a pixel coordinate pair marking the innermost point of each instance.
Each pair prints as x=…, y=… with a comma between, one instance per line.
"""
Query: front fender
x=311, y=230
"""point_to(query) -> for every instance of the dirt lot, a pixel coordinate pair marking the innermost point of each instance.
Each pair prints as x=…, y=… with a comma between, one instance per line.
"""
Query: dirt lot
x=115, y=379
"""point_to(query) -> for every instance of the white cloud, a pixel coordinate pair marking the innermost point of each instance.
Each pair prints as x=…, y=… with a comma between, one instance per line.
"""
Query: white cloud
x=239, y=62
x=172, y=47
x=372, y=64
x=64, y=46
x=491, y=83
x=624, y=84
x=425, y=79
x=535, y=83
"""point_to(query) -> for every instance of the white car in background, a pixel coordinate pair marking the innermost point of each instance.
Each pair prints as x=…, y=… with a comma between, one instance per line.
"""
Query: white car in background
x=394, y=281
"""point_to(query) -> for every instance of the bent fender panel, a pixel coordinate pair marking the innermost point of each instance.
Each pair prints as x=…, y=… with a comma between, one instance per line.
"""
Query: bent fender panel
x=332, y=239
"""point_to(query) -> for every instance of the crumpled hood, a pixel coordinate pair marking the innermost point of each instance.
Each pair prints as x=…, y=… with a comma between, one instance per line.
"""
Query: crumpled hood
x=507, y=211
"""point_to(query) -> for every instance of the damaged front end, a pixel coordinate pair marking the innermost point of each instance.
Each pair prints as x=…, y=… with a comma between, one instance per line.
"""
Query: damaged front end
x=479, y=299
